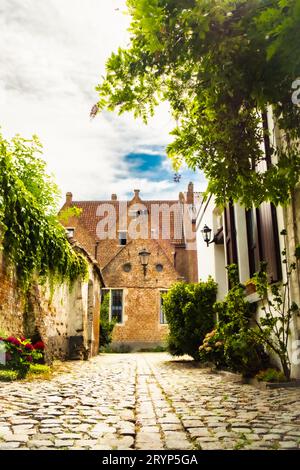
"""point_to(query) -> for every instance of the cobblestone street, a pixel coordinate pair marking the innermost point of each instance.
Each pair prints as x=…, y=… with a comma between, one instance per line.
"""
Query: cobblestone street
x=145, y=401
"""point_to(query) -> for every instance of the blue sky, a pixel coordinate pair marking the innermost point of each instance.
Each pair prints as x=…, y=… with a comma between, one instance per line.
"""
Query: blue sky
x=153, y=164
x=54, y=55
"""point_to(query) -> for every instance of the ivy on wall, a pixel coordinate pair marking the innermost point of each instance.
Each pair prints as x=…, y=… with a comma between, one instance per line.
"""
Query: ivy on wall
x=31, y=236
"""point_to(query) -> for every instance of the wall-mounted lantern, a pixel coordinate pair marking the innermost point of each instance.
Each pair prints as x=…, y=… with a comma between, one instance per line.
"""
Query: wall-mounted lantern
x=206, y=233
x=144, y=259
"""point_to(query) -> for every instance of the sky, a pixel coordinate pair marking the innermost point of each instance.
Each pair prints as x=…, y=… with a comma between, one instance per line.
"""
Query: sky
x=52, y=55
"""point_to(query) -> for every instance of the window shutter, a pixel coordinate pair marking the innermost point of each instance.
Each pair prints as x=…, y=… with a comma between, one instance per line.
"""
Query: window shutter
x=253, y=242
x=230, y=240
x=268, y=240
x=267, y=225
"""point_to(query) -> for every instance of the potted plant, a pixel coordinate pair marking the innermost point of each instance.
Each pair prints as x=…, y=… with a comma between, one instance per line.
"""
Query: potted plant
x=250, y=286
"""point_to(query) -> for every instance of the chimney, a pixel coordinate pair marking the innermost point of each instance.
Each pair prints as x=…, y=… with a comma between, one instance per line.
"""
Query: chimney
x=136, y=193
x=114, y=197
x=69, y=197
x=190, y=194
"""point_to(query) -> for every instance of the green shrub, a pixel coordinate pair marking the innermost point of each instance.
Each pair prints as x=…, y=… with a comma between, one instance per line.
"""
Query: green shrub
x=7, y=375
x=271, y=375
x=189, y=313
x=39, y=369
x=232, y=343
x=212, y=349
x=106, y=326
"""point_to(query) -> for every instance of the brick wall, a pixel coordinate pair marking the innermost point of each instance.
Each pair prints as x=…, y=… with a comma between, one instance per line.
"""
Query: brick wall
x=141, y=294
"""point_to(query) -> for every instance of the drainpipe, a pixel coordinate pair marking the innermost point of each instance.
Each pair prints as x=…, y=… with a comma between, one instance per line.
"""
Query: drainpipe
x=96, y=250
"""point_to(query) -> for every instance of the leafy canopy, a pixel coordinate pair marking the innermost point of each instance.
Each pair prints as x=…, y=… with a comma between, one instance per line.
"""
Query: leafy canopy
x=220, y=64
x=32, y=238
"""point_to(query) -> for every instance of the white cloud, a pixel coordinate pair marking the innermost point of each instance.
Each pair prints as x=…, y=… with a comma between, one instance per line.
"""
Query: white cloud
x=52, y=55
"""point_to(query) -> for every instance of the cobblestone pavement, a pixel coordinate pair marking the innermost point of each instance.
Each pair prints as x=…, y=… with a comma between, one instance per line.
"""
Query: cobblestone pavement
x=145, y=401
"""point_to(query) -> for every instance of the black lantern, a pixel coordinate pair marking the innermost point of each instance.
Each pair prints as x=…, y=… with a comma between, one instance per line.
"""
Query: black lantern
x=144, y=259
x=206, y=233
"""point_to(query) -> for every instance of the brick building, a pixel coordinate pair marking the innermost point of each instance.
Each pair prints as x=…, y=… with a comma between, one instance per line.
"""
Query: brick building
x=116, y=233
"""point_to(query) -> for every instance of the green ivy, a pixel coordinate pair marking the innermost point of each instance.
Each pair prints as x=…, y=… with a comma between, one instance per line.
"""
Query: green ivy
x=106, y=326
x=31, y=236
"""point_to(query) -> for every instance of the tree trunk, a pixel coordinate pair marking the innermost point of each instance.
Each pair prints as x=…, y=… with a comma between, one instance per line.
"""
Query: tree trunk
x=286, y=368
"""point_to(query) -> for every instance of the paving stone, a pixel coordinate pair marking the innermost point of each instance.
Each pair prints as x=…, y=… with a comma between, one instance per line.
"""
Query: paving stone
x=63, y=443
x=41, y=443
x=288, y=445
x=68, y=436
x=15, y=437
x=9, y=446
x=86, y=443
x=270, y=437
x=199, y=432
x=145, y=401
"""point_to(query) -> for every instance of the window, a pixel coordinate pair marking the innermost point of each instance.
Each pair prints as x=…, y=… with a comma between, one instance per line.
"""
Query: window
x=122, y=238
x=70, y=232
x=137, y=213
x=162, y=318
x=127, y=267
x=159, y=268
x=230, y=241
x=116, y=305
x=269, y=240
x=253, y=244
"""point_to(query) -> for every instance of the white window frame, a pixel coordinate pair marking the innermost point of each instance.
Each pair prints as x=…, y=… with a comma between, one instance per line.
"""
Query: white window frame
x=161, y=314
x=68, y=229
x=122, y=231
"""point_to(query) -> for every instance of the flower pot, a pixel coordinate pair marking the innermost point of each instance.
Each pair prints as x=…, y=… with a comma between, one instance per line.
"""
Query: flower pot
x=250, y=288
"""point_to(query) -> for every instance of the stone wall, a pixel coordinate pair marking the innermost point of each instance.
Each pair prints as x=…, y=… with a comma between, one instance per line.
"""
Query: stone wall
x=64, y=317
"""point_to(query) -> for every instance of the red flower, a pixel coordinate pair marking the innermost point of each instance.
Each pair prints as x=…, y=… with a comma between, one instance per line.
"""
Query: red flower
x=22, y=338
x=13, y=340
x=29, y=347
x=29, y=358
x=39, y=345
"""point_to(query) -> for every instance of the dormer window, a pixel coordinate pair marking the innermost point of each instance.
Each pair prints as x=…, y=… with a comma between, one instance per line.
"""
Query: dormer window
x=122, y=237
x=137, y=213
x=70, y=232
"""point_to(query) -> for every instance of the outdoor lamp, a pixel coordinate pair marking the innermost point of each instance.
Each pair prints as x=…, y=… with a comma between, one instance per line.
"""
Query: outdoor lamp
x=206, y=233
x=144, y=259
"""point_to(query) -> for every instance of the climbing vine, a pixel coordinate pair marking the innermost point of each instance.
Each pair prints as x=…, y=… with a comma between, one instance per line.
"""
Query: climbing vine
x=31, y=236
